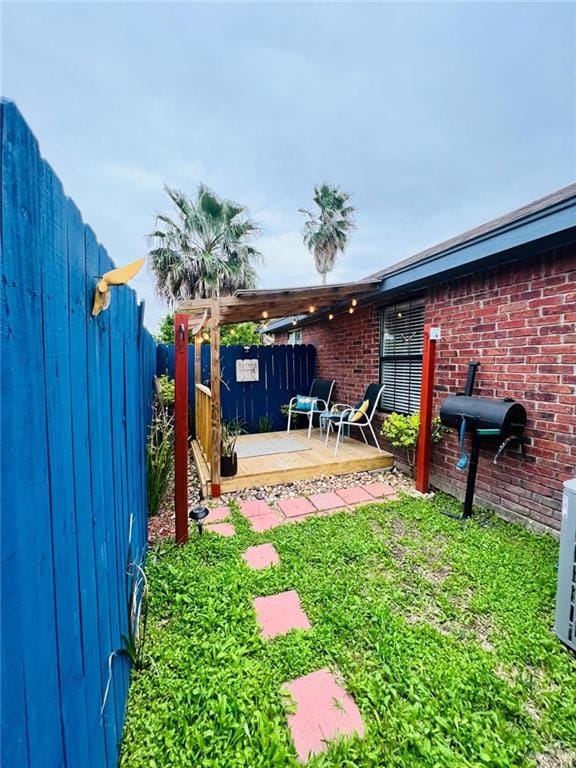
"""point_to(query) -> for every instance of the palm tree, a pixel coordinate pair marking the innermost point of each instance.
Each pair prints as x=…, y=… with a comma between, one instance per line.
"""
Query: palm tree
x=326, y=234
x=206, y=251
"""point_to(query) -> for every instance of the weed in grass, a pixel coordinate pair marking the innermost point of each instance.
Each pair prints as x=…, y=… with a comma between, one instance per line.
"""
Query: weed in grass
x=478, y=679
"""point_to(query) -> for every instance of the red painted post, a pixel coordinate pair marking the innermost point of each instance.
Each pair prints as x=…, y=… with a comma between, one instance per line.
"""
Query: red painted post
x=181, y=426
x=425, y=433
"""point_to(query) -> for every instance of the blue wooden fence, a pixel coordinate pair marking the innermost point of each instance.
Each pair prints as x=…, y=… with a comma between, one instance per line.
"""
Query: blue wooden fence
x=284, y=371
x=76, y=402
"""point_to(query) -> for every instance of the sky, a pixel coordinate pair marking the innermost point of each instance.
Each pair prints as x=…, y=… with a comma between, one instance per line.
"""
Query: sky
x=435, y=116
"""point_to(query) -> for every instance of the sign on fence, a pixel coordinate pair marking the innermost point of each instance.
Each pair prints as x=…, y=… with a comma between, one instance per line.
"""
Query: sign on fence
x=247, y=370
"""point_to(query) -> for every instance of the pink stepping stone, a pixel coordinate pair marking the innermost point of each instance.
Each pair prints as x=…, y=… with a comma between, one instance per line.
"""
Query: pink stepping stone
x=379, y=489
x=296, y=507
x=224, y=529
x=265, y=522
x=261, y=556
x=326, y=501
x=254, y=508
x=278, y=614
x=323, y=711
x=218, y=514
x=354, y=495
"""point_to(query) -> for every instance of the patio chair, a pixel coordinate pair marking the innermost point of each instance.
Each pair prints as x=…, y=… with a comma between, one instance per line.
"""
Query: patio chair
x=317, y=402
x=360, y=415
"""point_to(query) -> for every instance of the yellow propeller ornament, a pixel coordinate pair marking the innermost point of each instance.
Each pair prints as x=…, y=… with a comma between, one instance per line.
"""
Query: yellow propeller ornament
x=118, y=276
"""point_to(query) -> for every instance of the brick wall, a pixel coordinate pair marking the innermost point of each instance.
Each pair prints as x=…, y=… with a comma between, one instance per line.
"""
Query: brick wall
x=519, y=321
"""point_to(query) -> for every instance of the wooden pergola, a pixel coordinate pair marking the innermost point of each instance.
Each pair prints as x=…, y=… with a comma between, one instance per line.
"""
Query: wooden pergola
x=246, y=305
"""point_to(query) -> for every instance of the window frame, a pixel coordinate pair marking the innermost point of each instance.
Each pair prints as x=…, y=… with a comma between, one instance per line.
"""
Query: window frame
x=412, y=302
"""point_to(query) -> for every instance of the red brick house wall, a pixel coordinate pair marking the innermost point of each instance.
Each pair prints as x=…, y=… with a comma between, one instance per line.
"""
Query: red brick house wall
x=519, y=321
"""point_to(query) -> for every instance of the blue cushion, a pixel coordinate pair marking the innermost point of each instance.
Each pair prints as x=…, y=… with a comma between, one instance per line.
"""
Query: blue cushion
x=304, y=403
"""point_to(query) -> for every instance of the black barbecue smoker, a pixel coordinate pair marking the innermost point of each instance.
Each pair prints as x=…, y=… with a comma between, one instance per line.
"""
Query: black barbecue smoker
x=488, y=421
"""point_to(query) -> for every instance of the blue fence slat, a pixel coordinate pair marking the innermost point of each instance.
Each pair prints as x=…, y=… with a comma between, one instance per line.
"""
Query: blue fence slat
x=94, y=676
x=56, y=348
x=25, y=482
x=79, y=397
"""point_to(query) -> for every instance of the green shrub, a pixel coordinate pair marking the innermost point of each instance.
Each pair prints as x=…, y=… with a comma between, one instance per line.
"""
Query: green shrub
x=166, y=389
x=159, y=456
x=401, y=431
x=265, y=424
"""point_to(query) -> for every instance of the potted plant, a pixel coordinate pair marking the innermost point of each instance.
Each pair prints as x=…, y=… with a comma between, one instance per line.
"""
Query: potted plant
x=228, y=458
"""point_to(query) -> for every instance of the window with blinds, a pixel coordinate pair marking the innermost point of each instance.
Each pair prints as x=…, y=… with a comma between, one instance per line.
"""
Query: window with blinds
x=402, y=338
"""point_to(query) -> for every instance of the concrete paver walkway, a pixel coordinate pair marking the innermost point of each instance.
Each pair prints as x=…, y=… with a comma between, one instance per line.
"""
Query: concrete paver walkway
x=278, y=614
x=324, y=711
x=261, y=556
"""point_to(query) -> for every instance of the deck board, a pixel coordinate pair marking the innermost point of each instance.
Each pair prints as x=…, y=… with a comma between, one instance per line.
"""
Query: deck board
x=274, y=469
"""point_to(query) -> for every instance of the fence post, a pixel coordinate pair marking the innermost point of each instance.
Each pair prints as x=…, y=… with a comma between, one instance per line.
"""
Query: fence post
x=215, y=388
x=181, y=426
x=425, y=432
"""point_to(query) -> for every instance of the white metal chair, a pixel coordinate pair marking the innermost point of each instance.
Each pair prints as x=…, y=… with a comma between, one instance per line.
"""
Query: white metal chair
x=345, y=416
x=320, y=395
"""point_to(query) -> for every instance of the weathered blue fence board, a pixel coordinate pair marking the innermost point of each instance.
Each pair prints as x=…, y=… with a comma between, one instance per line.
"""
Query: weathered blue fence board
x=284, y=371
x=77, y=397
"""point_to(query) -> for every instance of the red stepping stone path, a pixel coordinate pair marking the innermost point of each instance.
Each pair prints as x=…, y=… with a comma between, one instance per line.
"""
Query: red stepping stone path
x=326, y=501
x=378, y=490
x=297, y=507
x=266, y=521
x=261, y=556
x=217, y=515
x=354, y=495
x=324, y=711
x=224, y=529
x=255, y=508
x=278, y=614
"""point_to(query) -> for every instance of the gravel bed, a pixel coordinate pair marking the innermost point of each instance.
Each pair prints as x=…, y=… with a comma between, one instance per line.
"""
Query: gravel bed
x=322, y=484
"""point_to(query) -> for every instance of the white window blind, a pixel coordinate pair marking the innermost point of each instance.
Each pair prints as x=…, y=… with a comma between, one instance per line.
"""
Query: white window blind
x=401, y=356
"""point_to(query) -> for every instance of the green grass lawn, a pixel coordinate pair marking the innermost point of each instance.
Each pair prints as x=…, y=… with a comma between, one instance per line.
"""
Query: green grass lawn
x=442, y=633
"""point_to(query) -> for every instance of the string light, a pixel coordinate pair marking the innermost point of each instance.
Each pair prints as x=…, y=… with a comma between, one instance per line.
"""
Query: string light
x=399, y=314
x=330, y=316
x=294, y=322
x=354, y=302
x=312, y=308
x=351, y=310
x=264, y=314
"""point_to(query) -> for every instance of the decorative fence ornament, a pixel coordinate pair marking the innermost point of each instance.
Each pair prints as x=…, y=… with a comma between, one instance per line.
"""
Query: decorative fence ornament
x=118, y=276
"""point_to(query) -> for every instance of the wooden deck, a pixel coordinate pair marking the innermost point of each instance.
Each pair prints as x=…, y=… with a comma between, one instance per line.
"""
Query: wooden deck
x=277, y=468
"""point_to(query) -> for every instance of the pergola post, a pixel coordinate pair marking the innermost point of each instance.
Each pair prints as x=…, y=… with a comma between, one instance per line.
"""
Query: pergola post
x=215, y=390
x=181, y=426
x=426, y=395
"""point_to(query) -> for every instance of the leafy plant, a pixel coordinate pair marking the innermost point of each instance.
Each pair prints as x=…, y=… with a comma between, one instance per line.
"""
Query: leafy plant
x=243, y=334
x=133, y=643
x=228, y=436
x=401, y=431
x=159, y=456
x=166, y=389
x=284, y=409
x=265, y=424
